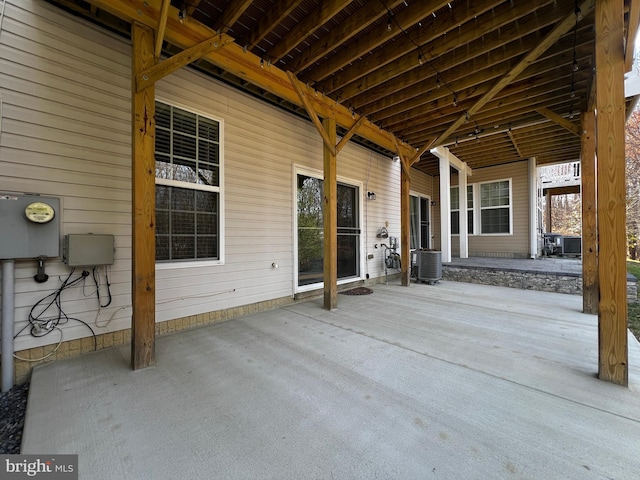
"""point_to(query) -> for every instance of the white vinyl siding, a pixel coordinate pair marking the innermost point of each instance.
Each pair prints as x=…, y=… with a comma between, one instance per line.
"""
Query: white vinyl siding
x=66, y=132
x=515, y=244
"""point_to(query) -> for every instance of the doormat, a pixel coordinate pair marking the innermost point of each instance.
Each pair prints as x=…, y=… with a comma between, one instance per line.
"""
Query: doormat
x=357, y=291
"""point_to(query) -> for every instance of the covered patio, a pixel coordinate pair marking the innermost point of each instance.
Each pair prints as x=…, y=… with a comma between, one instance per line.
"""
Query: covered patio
x=445, y=381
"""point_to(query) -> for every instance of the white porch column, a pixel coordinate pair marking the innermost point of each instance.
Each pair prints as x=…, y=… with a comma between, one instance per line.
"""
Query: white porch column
x=533, y=208
x=464, y=229
x=448, y=160
x=445, y=208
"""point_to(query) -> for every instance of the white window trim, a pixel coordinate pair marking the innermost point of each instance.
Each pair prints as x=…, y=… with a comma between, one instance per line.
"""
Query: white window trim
x=479, y=207
x=310, y=172
x=474, y=189
x=428, y=199
x=176, y=264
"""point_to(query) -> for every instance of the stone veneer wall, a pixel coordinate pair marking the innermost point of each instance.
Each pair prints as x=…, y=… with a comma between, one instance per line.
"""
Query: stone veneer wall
x=526, y=279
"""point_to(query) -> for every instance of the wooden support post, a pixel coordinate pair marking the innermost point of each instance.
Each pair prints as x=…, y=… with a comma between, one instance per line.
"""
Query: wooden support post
x=611, y=192
x=143, y=267
x=589, y=223
x=330, y=215
x=405, y=224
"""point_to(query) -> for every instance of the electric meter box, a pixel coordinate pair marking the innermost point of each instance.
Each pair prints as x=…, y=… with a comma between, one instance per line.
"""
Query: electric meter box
x=29, y=226
x=87, y=250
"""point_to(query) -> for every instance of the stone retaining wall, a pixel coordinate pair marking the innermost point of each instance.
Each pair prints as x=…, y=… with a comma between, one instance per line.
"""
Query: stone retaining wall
x=569, y=283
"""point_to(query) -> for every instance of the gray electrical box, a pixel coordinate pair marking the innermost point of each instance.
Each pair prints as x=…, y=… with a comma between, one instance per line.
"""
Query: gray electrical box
x=29, y=226
x=86, y=250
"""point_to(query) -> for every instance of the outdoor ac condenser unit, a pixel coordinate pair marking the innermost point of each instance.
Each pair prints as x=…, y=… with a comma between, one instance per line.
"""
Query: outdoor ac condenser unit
x=428, y=265
x=572, y=246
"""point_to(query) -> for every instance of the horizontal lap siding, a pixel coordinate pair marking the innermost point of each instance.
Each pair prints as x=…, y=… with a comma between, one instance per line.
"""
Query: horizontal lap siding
x=65, y=133
x=516, y=244
x=65, y=89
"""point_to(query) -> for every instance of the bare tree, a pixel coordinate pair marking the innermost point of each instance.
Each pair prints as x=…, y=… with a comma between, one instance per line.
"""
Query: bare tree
x=632, y=153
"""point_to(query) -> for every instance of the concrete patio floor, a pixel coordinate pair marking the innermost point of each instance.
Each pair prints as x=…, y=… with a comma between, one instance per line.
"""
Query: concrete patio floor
x=449, y=381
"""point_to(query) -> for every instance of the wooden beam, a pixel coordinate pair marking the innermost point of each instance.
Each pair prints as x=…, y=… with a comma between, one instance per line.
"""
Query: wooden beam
x=143, y=178
x=369, y=41
x=160, y=70
x=192, y=7
x=589, y=218
x=352, y=131
x=328, y=143
x=342, y=32
x=232, y=13
x=330, y=218
x=611, y=192
x=563, y=122
x=307, y=26
x=416, y=157
x=274, y=15
x=245, y=65
x=162, y=23
x=586, y=6
x=404, y=162
x=515, y=144
x=443, y=35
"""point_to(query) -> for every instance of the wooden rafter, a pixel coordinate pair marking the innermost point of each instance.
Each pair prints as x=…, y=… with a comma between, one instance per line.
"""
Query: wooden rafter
x=347, y=29
x=515, y=144
x=329, y=145
x=586, y=6
x=563, y=122
x=231, y=14
x=162, y=23
x=350, y=133
x=154, y=73
x=521, y=96
x=409, y=17
x=312, y=22
x=390, y=99
x=439, y=39
x=247, y=66
x=416, y=156
x=273, y=17
x=192, y=7
x=404, y=161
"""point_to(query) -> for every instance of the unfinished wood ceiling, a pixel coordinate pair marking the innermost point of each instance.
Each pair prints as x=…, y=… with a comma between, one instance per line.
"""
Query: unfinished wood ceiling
x=495, y=81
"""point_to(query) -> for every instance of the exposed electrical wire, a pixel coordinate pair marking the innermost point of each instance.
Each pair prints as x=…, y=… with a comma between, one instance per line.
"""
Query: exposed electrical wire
x=41, y=324
x=97, y=282
x=422, y=59
x=44, y=357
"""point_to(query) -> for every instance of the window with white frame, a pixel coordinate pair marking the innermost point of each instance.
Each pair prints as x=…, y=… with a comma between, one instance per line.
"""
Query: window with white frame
x=419, y=214
x=188, y=160
x=455, y=210
x=495, y=207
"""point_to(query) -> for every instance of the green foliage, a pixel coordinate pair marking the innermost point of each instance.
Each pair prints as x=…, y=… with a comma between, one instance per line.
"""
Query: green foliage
x=633, y=267
x=634, y=319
